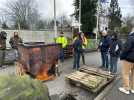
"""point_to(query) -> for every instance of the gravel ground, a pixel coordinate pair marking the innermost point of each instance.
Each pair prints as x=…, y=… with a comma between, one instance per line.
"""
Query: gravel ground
x=59, y=86
x=7, y=70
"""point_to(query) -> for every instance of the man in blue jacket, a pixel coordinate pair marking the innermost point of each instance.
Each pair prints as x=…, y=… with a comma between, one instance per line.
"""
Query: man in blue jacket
x=104, y=49
x=127, y=58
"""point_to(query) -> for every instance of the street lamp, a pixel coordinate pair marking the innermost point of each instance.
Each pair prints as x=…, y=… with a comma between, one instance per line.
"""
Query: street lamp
x=55, y=25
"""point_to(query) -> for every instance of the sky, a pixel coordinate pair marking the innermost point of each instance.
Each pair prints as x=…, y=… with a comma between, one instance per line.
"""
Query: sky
x=126, y=7
x=65, y=7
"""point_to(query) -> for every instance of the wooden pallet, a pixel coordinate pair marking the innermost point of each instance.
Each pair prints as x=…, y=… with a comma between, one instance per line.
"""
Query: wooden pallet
x=86, y=74
x=97, y=71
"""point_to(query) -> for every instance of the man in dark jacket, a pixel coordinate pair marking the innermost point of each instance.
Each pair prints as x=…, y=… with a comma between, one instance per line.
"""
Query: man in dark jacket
x=127, y=58
x=2, y=47
x=104, y=49
x=115, y=50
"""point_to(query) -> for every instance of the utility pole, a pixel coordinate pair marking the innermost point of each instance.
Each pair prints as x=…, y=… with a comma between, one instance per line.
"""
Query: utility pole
x=97, y=28
x=55, y=24
x=79, y=15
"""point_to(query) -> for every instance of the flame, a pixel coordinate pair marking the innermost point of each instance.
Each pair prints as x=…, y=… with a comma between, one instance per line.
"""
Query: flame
x=43, y=73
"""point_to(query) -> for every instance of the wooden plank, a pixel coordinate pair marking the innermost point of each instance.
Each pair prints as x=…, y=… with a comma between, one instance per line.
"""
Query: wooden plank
x=93, y=90
x=96, y=70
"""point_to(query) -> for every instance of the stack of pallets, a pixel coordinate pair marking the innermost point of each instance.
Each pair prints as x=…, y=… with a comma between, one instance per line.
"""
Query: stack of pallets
x=90, y=78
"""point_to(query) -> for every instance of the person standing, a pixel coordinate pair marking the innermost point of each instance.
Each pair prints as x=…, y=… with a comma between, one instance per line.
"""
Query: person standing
x=115, y=50
x=63, y=41
x=104, y=49
x=15, y=40
x=127, y=58
x=77, y=45
x=84, y=45
x=3, y=37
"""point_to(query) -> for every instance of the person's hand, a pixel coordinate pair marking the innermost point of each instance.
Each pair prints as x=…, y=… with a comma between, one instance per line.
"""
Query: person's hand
x=0, y=46
x=98, y=50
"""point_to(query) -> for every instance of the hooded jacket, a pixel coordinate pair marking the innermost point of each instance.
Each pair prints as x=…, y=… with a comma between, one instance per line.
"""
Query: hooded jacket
x=128, y=51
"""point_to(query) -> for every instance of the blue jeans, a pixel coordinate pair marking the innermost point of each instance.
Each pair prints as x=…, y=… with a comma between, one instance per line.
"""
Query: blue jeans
x=113, y=64
x=105, y=61
x=61, y=55
x=76, y=60
x=83, y=57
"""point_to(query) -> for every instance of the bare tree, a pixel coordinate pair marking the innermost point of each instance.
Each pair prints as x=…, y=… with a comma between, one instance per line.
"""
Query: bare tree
x=23, y=13
x=129, y=21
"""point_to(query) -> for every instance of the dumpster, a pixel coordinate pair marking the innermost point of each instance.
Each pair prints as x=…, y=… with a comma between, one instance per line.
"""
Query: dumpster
x=39, y=59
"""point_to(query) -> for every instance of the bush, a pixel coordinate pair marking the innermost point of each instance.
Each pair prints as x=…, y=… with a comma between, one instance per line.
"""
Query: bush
x=22, y=88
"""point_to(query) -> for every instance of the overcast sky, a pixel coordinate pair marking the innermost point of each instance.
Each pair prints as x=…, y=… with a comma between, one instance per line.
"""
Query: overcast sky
x=66, y=7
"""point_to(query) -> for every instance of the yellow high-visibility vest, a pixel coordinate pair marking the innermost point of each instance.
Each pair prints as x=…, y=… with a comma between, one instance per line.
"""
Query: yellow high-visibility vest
x=84, y=42
x=62, y=40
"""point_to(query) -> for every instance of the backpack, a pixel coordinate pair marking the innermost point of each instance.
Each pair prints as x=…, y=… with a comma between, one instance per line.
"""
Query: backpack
x=77, y=45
